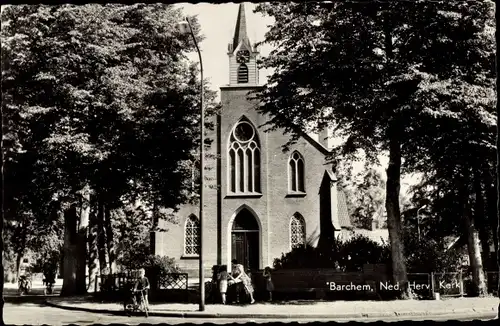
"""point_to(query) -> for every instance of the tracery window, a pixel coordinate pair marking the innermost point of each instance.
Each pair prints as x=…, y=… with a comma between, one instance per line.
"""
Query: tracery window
x=244, y=159
x=192, y=236
x=296, y=173
x=297, y=231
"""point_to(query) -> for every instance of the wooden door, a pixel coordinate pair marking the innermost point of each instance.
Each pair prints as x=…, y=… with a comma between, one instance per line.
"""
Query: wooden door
x=245, y=249
x=238, y=247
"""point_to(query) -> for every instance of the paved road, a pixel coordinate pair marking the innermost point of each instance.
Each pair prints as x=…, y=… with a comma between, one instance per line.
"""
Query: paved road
x=37, y=314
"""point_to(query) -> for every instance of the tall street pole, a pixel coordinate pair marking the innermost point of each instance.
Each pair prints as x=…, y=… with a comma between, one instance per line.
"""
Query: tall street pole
x=202, y=172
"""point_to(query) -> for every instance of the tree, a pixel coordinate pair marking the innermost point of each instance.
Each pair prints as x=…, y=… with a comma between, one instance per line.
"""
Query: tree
x=427, y=251
x=371, y=61
x=103, y=91
x=365, y=193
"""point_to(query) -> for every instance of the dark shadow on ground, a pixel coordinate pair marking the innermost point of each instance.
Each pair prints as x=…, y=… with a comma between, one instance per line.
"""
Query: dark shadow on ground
x=94, y=311
x=19, y=300
x=35, y=295
x=35, y=291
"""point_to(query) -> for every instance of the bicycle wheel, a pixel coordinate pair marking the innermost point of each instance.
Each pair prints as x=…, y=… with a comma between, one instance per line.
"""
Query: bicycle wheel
x=145, y=305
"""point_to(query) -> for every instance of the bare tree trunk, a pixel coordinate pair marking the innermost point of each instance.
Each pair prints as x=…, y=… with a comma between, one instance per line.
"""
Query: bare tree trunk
x=473, y=245
x=473, y=248
x=497, y=217
x=2, y=202
x=479, y=216
x=491, y=203
x=81, y=271
x=21, y=249
x=399, y=273
x=93, y=250
x=109, y=239
x=69, y=252
x=101, y=235
x=19, y=256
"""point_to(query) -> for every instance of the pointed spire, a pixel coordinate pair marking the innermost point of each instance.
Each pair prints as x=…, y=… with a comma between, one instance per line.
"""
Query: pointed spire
x=240, y=32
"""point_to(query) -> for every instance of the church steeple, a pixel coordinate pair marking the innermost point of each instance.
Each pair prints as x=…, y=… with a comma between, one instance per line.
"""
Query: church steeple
x=240, y=32
x=242, y=56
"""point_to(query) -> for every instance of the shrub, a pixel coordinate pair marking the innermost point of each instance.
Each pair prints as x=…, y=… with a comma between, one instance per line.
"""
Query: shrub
x=357, y=251
x=299, y=257
x=347, y=256
x=134, y=258
x=429, y=255
x=158, y=267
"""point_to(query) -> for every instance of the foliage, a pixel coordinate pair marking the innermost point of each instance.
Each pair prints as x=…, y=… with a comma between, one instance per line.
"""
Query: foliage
x=360, y=250
x=365, y=194
x=95, y=95
x=383, y=81
x=157, y=268
x=131, y=227
x=83, y=72
x=429, y=252
x=348, y=256
x=299, y=257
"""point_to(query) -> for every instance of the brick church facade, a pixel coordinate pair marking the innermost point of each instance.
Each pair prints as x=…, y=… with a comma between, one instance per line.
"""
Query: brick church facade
x=260, y=202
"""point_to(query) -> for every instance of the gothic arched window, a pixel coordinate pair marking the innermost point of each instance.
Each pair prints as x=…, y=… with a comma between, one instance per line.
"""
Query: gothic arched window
x=242, y=74
x=192, y=236
x=244, y=159
x=297, y=231
x=296, y=173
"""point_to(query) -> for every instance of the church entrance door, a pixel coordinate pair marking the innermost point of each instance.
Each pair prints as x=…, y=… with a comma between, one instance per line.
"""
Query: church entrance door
x=245, y=240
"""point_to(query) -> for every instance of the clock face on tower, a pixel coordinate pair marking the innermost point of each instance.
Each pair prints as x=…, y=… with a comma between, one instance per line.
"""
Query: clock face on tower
x=243, y=56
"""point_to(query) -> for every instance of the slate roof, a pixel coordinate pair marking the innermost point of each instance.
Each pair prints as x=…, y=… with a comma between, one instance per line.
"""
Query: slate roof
x=240, y=32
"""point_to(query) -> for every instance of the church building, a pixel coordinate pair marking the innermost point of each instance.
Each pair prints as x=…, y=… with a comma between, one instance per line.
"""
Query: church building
x=259, y=201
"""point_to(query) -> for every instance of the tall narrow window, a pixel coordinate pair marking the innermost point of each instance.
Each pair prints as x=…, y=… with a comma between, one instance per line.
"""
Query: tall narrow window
x=297, y=231
x=296, y=173
x=232, y=167
x=242, y=74
x=244, y=159
x=192, y=236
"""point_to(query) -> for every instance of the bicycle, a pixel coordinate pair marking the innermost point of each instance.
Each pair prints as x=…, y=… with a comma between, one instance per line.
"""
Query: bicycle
x=142, y=306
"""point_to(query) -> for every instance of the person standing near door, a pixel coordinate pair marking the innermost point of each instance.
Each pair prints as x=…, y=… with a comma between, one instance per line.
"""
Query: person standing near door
x=239, y=275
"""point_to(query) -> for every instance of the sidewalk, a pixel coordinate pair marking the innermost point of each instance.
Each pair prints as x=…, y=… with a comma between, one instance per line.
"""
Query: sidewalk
x=301, y=309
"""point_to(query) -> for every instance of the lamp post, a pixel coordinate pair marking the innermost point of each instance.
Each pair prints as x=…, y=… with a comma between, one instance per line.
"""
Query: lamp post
x=418, y=221
x=184, y=28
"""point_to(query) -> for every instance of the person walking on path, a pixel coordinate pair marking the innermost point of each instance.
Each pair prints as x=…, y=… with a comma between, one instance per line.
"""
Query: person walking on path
x=269, y=282
x=239, y=275
x=222, y=278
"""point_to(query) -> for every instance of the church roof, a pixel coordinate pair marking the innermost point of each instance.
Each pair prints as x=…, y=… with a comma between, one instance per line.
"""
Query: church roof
x=316, y=143
x=240, y=31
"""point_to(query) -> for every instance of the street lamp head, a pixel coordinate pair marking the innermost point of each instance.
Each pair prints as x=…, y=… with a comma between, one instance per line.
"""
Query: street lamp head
x=183, y=27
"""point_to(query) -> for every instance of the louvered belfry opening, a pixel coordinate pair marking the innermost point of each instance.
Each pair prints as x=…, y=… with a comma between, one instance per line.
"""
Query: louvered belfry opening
x=242, y=74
